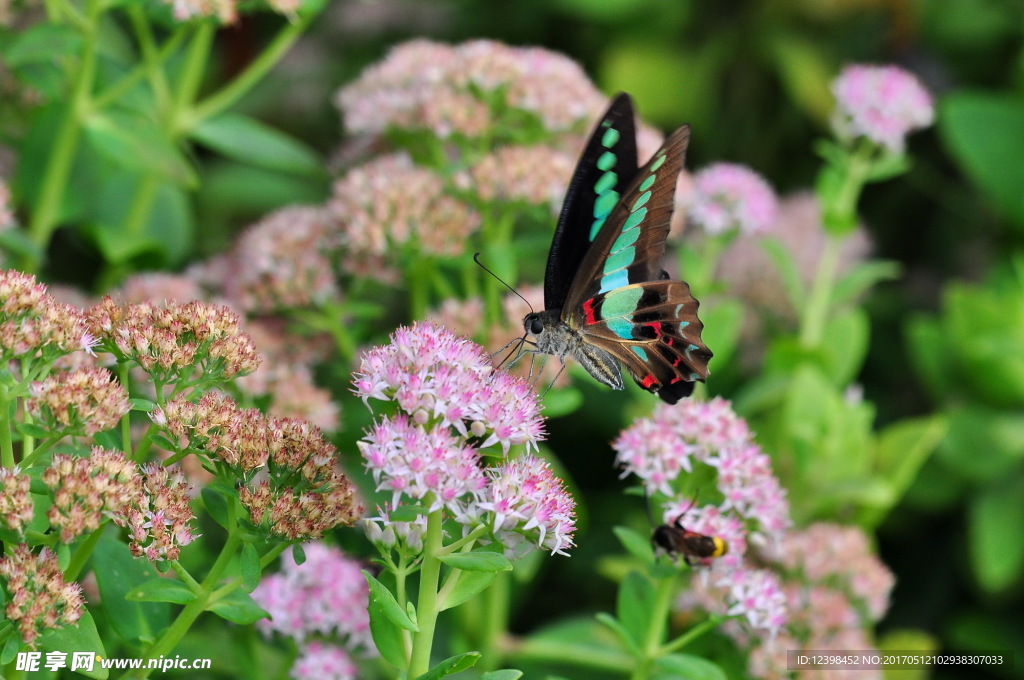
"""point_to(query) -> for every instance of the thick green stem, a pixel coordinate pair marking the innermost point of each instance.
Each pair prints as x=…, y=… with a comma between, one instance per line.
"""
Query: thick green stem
x=495, y=620
x=233, y=91
x=82, y=554
x=62, y=156
x=691, y=635
x=663, y=598
x=6, y=442
x=426, y=606
x=580, y=656
x=815, y=314
x=126, y=422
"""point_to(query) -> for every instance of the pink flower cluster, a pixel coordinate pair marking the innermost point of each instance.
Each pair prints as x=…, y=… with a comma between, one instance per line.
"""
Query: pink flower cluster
x=16, y=506
x=882, y=103
x=87, y=400
x=34, y=325
x=461, y=89
x=453, y=404
x=40, y=599
x=324, y=596
x=727, y=196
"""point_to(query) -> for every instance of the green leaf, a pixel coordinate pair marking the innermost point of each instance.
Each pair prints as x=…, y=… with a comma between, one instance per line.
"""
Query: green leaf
x=407, y=513
x=722, y=323
x=10, y=650
x=504, y=674
x=216, y=497
x=635, y=606
x=136, y=143
x=381, y=597
x=139, y=404
x=614, y=625
x=687, y=667
x=996, y=525
x=930, y=355
x=861, y=278
x=984, y=132
x=562, y=401
x=806, y=68
x=250, y=566
x=238, y=607
x=109, y=439
x=32, y=430
x=387, y=636
x=82, y=637
x=635, y=543
x=982, y=444
x=470, y=583
x=247, y=140
x=298, y=554
x=161, y=590
x=789, y=271
x=478, y=560
x=42, y=43
x=845, y=344
x=902, y=449
x=118, y=573
x=163, y=442
x=452, y=665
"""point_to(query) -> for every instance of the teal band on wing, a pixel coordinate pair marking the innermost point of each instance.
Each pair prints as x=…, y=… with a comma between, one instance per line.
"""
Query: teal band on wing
x=626, y=239
x=641, y=201
x=614, y=280
x=640, y=352
x=610, y=138
x=619, y=260
x=606, y=161
x=621, y=327
x=621, y=303
x=634, y=219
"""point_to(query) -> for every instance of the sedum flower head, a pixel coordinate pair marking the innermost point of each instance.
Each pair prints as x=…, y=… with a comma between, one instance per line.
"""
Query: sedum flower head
x=226, y=11
x=87, y=400
x=33, y=324
x=882, y=103
x=465, y=89
x=390, y=202
x=538, y=175
x=726, y=196
x=158, y=520
x=88, y=490
x=324, y=596
x=283, y=261
x=16, y=507
x=757, y=596
x=173, y=341
x=527, y=500
x=40, y=599
x=322, y=661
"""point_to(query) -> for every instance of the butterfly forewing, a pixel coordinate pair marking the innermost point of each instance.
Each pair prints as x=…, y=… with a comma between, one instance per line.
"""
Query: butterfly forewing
x=631, y=244
x=606, y=168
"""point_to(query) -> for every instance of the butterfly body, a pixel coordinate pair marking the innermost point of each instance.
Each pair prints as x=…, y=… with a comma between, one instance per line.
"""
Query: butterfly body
x=607, y=300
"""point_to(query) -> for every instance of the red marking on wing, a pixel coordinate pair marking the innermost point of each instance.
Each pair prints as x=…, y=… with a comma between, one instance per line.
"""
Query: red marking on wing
x=656, y=325
x=648, y=381
x=674, y=380
x=588, y=310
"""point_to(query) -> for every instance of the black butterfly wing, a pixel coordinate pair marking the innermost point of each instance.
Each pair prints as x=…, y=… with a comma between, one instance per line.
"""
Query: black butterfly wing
x=653, y=329
x=630, y=245
x=608, y=165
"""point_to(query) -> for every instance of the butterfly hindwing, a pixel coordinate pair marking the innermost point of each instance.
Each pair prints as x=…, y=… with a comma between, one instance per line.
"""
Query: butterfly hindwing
x=653, y=329
x=607, y=166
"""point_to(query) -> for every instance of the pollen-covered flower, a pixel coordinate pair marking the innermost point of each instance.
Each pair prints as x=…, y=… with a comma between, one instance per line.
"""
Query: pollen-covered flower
x=756, y=595
x=881, y=103
x=33, y=323
x=283, y=261
x=538, y=175
x=87, y=490
x=40, y=598
x=727, y=196
x=390, y=202
x=16, y=507
x=324, y=596
x=159, y=518
x=217, y=426
x=466, y=89
x=87, y=400
x=528, y=503
x=175, y=341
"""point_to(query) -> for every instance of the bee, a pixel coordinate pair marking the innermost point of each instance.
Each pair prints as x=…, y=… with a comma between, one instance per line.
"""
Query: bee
x=675, y=540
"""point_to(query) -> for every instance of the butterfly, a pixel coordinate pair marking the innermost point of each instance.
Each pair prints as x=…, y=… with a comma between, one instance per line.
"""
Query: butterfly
x=607, y=300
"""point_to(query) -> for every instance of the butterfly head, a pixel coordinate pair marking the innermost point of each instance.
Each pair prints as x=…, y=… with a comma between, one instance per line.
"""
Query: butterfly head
x=537, y=323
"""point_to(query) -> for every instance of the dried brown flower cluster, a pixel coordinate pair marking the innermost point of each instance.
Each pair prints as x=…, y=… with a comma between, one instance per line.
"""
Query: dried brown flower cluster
x=84, y=401
x=15, y=502
x=158, y=518
x=174, y=340
x=88, y=490
x=40, y=598
x=290, y=480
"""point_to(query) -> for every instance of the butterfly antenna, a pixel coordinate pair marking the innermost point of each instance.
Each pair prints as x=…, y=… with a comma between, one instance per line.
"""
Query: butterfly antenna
x=476, y=258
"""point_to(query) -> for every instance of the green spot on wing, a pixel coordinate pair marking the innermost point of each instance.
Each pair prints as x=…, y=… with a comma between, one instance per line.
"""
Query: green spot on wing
x=621, y=328
x=619, y=260
x=641, y=201
x=610, y=138
x=627, y=238
x=606, y=161
x=606, y=183
x=634, y=219
x=639, y=351
x=605, y=203
x=648, y=183
x=658, y=163
x=621, y=303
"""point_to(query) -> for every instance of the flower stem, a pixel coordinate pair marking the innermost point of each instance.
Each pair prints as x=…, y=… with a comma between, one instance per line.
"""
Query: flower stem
x=663, y=597
x=691, y=635
x=815, y=316
x=6, y=442
x=82, y=555
x=426, y=607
